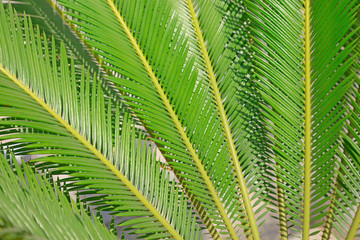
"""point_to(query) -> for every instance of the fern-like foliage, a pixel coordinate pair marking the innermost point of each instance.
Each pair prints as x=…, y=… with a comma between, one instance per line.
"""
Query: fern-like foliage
x=194, y=146
x=303, y=53
x=28, y=202
x=190, y=118
x=74, y=128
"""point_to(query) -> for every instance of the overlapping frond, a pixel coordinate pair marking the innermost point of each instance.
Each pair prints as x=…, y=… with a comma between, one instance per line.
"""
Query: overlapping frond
x=25, y=193
x=68, y=121
x=183, y=68
x=223, y=46
x=343, y=218
x=167, y=93
x=346, y=212
x=332, y=21
x=302, y=53
x=287, y=117
x=47, y=16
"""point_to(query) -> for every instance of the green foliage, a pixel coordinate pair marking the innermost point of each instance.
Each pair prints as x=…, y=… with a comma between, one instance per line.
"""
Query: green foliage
x=193, y=119
x=33, y=204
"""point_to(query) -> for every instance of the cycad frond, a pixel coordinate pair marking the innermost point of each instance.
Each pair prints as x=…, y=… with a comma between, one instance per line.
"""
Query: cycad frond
x=69, y=120
x=223, y=44
x=25, y=193
x=182, y=69
x=47, y=16
x=346, y=203
x=302, y=55
x=346, y=192
x=167, y=93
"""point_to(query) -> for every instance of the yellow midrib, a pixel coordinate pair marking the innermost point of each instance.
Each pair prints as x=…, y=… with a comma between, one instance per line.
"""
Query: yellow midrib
x=307, y=147
x=102, y=158
x=354, y=225
x=226, y=126
x=173, y=115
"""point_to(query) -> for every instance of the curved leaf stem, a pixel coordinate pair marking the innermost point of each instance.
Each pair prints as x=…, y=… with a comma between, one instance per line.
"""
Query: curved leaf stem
x=354, y=225
x=329, y=217
x=307, y=160
x=282, y=210
x=334, y=197
x=225, y=123
x=176, y=121
x=101, y=157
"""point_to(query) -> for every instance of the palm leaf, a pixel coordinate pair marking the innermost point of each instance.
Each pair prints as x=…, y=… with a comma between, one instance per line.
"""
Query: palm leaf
x=345, y=196
x=152, y=93
x=301, y=78
x=345, y=223
x=80, y=142
x=184, y=69
x=221, y=58
x=48, y=18
x=352, y=101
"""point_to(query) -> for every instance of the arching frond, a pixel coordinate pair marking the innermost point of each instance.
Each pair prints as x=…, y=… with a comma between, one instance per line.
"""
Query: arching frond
x=168, y=94
x=223, y=45
x=345, y=213
x=302, y=53
x=243, y=111
x=69, y=120
x=47, y=16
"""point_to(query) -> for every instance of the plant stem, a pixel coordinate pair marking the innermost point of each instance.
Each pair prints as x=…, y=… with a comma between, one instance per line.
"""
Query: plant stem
x=307, y=160
x=282, y=210
x=354, y=225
